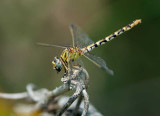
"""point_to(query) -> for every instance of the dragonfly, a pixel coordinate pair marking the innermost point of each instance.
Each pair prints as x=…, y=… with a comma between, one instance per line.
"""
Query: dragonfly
x=82, y=45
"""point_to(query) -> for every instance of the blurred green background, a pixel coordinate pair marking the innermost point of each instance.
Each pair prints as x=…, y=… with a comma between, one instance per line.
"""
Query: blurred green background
x=134, y=56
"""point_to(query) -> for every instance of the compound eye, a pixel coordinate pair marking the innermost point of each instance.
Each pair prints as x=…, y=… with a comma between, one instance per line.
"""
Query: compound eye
x=57, y=64
x=55, y=59
x=54, y=64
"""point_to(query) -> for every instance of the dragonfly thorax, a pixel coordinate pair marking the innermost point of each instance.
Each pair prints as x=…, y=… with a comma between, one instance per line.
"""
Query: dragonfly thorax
x=71, y=54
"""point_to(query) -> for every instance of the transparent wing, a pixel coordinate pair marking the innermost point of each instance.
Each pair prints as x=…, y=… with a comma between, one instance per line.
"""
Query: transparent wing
x=79, y=38
x=53, y=45
x=78, y=63
x=99, y=62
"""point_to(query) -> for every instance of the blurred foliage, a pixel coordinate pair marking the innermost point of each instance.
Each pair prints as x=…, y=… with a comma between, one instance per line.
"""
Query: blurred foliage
x=134, y=56
x=5, y=108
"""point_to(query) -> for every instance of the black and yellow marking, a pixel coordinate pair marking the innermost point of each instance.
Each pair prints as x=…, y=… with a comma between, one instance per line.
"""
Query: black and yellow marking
x=70, y=54
x=73, y=53
x=110, y=37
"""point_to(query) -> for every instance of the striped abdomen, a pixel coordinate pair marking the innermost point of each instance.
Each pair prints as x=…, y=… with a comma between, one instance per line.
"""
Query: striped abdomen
x=110, y=37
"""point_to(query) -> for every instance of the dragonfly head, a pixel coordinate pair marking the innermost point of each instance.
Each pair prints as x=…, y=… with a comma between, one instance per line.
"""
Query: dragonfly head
x=57, y=65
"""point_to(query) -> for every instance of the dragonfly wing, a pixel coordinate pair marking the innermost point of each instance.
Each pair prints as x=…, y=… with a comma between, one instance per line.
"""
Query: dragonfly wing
x=53, y=45
x=78, y=63
x=99, y=62
x=80, y=39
